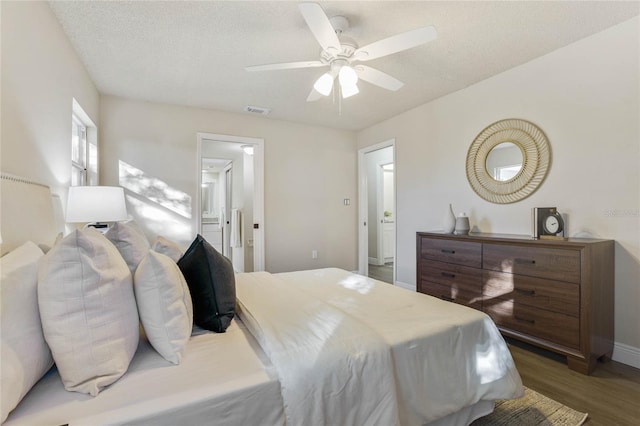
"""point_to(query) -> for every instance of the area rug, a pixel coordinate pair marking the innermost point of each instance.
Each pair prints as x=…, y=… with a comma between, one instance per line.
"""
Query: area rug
x=533, y=409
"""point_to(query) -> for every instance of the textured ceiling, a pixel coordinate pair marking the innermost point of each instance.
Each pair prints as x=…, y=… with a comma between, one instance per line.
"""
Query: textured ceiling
x=194, y=53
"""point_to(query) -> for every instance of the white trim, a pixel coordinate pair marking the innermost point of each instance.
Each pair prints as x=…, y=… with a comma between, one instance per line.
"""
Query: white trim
x=626, y=354
x=363, y=256
x=379, y=214
x=258, y=189
x=406, y=286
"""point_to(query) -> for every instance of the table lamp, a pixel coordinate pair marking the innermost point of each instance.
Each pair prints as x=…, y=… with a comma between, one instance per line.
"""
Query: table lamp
x=96, y=205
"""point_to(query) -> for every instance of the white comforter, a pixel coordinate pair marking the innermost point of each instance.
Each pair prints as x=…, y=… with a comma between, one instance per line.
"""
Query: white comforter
x=351, y=350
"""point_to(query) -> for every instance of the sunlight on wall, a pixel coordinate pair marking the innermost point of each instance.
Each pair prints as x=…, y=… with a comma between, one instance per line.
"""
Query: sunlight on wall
x=151, y=188
x=158, y=221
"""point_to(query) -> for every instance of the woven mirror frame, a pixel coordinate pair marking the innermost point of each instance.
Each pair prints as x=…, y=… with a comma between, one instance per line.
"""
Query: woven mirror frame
x=536, y=155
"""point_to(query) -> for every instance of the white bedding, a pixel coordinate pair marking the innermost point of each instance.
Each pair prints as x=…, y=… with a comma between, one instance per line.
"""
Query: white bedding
x=444, y=357
x=332, y=370
x=223, y=379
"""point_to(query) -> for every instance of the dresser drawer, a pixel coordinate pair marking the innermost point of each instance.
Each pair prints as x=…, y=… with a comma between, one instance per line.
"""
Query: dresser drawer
x=551, y=326
x=543, y=262
x=452, y=293
x=556, y=296
x=449, y=273
x=459, y=252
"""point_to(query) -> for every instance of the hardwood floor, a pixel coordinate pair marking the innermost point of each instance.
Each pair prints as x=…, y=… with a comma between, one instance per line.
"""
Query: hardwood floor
x=611, y=395
x=382, y=273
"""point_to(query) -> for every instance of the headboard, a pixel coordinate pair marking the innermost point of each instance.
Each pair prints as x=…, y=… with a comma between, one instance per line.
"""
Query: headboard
x=28, y=212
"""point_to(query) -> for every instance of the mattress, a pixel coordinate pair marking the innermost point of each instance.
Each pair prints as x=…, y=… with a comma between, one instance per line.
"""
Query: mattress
x=224, y=378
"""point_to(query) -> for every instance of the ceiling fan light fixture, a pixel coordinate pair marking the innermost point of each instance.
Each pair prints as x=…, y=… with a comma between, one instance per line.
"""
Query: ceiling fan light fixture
x=349, y=90
x=347, y=76
x=324, y=84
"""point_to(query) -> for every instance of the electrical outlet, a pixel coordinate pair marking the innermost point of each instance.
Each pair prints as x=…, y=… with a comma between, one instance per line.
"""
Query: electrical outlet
x=314, y=254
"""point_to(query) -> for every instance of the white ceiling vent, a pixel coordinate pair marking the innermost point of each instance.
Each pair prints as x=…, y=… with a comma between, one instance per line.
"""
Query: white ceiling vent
x=257, y=109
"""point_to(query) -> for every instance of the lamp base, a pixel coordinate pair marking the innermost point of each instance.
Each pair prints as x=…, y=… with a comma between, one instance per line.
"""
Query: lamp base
x=100, y=227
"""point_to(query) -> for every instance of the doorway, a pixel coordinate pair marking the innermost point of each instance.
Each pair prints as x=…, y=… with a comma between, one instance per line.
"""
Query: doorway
x=233, y=206
x=377, y=211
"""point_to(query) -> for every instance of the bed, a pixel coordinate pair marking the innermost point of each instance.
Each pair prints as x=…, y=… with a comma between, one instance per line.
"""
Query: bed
x=308, y=347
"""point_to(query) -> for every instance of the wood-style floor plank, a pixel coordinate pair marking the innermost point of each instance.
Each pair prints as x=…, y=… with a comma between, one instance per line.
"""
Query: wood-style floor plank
x=611, y=395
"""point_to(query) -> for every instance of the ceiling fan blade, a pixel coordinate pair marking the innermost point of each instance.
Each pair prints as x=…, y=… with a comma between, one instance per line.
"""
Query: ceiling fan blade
x=320, y=26
x=378, y=78
x=286, y=66
x=396, y=43
x=314, y=95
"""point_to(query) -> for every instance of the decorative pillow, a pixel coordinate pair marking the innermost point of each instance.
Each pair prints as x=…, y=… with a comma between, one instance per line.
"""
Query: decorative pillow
x=25, y=354
x=168, y=248
x=164, y=305
x=88, y=311
x=130, y=242
x=212, y=284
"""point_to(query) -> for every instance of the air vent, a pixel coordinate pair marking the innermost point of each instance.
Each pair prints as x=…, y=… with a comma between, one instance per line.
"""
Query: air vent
x=257, y=110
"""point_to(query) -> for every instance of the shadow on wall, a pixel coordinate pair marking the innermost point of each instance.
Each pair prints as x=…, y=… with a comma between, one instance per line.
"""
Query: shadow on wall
x=158, y=208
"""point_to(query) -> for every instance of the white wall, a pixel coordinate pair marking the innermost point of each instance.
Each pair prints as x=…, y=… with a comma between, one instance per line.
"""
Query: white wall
x=308, y=172
x=585, y=97
x=41, y=75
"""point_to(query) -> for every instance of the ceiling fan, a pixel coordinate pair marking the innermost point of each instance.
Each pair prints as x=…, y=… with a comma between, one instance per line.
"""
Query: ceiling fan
x=340, y=53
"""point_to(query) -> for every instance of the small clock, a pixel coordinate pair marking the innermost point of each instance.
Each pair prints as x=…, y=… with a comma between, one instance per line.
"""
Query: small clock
x=547, y=223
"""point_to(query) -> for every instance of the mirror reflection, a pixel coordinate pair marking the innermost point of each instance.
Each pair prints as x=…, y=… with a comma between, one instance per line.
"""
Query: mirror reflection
x=504, y=161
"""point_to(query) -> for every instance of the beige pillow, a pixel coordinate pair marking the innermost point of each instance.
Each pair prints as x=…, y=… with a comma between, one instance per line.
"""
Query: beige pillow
x=164, y=305
x=25, y=355
x=130, y=242
x=88, y=311
x=168, y=248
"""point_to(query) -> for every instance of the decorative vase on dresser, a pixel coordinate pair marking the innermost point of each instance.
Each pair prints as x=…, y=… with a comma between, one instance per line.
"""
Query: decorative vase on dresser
x=449, y=220
x=555, y=294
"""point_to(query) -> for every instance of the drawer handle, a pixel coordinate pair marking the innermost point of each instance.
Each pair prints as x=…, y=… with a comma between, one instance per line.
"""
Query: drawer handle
x=527, y=261
x=528, y=321
x=447, y=298
x=448, y=251
x=526, y=292
x=448, y=275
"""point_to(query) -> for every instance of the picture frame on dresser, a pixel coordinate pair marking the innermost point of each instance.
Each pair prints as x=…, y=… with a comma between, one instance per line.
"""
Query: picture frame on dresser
x=554, y=294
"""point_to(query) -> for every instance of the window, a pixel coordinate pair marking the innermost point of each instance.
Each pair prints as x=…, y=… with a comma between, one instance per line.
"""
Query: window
x=84, y=148
x=78, y=152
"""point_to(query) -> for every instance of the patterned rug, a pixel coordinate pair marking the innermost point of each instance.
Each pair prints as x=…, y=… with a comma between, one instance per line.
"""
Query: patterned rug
x=533, y=409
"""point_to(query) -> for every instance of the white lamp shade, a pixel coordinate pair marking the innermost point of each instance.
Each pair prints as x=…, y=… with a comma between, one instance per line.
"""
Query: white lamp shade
x=96, y=204
x=324, y=84
x=349, y=90
x=347, y=76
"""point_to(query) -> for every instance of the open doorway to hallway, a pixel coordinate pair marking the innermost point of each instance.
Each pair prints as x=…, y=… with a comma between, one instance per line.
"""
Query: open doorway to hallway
x=230, y=204
x=377, y=212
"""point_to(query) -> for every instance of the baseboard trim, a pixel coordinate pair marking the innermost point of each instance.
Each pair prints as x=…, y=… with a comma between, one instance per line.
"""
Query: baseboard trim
x=626, y=354
x=375, y=261
x=406, y=286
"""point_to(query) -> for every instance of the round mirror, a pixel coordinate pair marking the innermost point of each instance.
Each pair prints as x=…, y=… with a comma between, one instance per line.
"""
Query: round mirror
x=507, y=161
x=504, y=161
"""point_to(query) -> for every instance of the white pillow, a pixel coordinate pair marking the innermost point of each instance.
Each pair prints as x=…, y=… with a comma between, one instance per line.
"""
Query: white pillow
x=168, y=248
x=164, y=305
x=130, y=242
x=88, y=311
x=24, y=352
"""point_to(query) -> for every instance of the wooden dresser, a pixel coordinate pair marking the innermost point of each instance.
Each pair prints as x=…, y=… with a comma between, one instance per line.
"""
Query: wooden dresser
x=555, y=294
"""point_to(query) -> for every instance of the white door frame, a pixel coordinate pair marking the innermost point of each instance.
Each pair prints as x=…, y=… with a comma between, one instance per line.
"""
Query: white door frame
x=258, y=189
x=363, y=219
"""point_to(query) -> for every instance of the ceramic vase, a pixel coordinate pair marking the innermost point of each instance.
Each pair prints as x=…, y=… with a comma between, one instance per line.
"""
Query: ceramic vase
x=449, y=221
x=462, y=225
